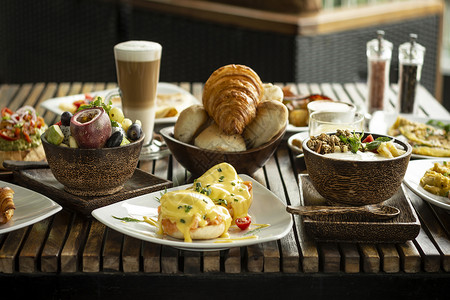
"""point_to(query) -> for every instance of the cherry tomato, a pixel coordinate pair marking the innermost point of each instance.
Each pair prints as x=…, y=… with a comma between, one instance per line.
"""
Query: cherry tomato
x=368, y=139
x=243, y=223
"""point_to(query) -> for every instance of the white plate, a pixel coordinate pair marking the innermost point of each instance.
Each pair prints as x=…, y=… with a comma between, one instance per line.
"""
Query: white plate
x=299, y=136
x=416, y=170
x=381, y=122
x=266, y=208
x=163, y=88
x=31, y=207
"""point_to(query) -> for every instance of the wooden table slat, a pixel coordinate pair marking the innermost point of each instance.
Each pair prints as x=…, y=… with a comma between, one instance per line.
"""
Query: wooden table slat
x=92, y=249
x=51, y=253
x=28, y=257
x=111, y=256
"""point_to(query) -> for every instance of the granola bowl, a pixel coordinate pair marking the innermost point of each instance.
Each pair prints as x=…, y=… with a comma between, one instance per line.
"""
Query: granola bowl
x=356, y=181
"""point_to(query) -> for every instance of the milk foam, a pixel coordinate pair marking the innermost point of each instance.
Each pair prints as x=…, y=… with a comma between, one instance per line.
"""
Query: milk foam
x=137, y=51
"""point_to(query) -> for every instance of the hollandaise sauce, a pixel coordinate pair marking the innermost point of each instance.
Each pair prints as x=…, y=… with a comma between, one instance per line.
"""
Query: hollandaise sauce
x=224, y=186
x=189, y=210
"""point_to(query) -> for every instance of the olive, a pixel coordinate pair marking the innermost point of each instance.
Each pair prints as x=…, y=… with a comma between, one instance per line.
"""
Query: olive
x=114, y=140
x=134, y=132
x=65, y=118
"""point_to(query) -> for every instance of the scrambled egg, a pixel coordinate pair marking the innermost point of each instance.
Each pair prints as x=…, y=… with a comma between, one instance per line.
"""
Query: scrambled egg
x=436, y=180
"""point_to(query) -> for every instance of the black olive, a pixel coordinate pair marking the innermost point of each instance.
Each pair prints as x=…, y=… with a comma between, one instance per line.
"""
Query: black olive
x=114, y=140
x=65, y=118
x=134, y=132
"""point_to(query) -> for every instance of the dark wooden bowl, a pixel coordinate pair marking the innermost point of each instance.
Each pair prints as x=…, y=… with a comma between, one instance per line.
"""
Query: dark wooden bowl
x=198, y=160
x=93, y=172
x=356, y=182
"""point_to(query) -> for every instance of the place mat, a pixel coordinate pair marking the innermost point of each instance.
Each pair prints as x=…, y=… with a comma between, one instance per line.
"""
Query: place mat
x=336, y=228
x=43, y=181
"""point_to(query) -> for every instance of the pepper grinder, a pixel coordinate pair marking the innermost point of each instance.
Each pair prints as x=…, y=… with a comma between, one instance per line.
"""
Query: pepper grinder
x=379, y=54
x=410, y=57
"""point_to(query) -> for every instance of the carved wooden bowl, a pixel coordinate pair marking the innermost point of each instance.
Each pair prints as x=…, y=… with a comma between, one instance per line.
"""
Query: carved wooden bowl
x=355, y=182
x=93, y=172
x=198, y=160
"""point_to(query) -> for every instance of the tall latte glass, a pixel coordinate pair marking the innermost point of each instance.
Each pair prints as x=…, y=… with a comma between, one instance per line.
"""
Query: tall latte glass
x=137, y=67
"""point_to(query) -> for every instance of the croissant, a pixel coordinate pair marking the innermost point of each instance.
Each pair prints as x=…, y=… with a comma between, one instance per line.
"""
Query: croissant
x=231, y=95
x=6, y=204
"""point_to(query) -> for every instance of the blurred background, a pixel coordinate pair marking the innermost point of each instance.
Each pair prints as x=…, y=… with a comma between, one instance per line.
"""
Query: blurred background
x=283, y=41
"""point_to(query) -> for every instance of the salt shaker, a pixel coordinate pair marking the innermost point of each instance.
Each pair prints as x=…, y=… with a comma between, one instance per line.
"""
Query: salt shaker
x=410, y=57
x=379, y=54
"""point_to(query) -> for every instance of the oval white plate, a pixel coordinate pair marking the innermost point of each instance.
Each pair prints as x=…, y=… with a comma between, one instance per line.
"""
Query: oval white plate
x=163, y=88
x=146, y=205
x=416, y=170
x=31, y=207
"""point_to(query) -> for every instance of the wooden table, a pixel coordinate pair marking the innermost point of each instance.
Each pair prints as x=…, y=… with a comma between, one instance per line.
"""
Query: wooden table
x=70, y=255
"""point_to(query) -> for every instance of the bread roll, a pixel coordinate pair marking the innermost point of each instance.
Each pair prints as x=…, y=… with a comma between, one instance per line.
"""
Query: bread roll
x=272, y=92
x=271, y=117
x=231, y=95
x=212, y=138
x=190, y=122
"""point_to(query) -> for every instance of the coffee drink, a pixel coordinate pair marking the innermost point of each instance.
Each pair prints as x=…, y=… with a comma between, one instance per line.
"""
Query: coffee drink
x=137, y=67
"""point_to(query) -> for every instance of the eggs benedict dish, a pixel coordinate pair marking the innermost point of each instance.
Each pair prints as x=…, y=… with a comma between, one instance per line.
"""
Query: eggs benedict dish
x=190, y=215
x=223, y=185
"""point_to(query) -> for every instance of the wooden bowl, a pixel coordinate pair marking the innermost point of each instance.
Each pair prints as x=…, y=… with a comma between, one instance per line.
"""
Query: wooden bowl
x=93, y=172
x=355, y=182
x=198, y=160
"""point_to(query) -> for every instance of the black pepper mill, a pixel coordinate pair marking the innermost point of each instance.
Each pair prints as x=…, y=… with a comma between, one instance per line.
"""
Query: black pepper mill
x=410, y=57
x=379, y=53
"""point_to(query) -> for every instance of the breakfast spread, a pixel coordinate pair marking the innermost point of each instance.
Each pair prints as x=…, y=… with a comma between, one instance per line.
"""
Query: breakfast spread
x=94, y=125
x=429, y=139
x=436, y=180
x=6, y=204
x=239, y=112
x=20, y=135
x=346, y=145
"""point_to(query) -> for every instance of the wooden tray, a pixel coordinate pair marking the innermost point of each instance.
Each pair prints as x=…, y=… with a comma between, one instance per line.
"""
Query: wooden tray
x=402, y=228
x=43, y=181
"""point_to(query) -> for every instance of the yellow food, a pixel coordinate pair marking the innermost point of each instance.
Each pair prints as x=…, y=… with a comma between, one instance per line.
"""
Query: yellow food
x=224, y=186
x=207, y=208
x=6, y=204
x=425, y=139
x=192, y=215
x=436, y=180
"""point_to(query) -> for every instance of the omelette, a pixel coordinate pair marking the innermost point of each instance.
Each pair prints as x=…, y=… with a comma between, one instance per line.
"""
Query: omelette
x=424, y=138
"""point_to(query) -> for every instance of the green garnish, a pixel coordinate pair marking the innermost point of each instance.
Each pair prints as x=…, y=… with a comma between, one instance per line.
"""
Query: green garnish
x=375, y=144
x=221, y=202
x=127, y=219
x=187, y=208
x=221, y=178
x=439, y=124
x=353, y=141
x=182, y=221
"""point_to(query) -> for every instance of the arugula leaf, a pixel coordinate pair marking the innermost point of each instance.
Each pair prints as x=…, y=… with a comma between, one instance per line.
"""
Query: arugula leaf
x=353, y=141
x=439, y=124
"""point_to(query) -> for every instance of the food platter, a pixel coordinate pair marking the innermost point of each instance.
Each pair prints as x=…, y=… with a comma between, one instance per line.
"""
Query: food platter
x=416, y=170
x=31, y=207
x=381, y=122
x=163, y=89
x=279, y=220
